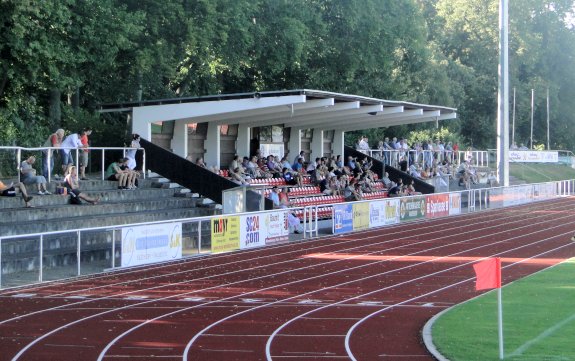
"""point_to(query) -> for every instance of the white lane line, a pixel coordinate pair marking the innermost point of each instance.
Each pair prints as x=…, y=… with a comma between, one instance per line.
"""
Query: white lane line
x=268, y=345
x=102, y=354
x=345, y=238
x=352, y=329
x=270, y=339
x=269, y=275
x=548, y=332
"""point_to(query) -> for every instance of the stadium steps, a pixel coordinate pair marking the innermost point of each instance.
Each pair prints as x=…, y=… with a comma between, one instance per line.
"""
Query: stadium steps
x=54, y=213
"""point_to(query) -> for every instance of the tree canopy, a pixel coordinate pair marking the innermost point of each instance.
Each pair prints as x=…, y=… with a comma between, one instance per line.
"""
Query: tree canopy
x=60, y=58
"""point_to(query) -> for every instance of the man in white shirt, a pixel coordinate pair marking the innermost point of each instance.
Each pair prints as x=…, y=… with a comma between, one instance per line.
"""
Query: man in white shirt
x=70, y=142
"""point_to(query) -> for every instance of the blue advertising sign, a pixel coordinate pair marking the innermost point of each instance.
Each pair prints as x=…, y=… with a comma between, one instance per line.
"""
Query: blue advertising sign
x=342, y=218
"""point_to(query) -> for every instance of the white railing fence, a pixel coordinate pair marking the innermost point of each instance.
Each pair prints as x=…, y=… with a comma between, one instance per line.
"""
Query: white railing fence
x=12, y=157
x=40, y=257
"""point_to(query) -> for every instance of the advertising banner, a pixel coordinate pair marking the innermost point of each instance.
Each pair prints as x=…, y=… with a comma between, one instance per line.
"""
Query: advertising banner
x=276, y=226
x=225, y=234
x=543, y=191
x=383, y=212
x=152, y=243
x=412, y=208
x=454, y=203
x=342, y=218
x=252, y=231
x=360, y=216
x=392, y=211
x=261, y=229
x=517, y=195
x=531, y=156
x=437, y=205
x=496, y=198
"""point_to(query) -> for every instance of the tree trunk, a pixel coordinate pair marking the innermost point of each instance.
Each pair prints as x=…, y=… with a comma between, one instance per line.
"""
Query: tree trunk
x=76, y=99
x=55, y=110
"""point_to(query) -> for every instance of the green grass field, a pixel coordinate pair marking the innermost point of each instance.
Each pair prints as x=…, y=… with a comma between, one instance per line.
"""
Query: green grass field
x=540, y=172
x=538, y=321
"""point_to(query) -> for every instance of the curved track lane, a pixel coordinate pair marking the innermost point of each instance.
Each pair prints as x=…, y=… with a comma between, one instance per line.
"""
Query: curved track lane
x=360, y=296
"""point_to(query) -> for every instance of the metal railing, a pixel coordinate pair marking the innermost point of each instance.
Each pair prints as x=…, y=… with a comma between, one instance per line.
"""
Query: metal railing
x=427, y=158
x=11, y=158
x=39, y=257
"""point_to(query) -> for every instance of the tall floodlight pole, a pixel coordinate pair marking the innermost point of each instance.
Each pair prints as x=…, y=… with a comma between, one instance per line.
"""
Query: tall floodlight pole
x=532, y=106
x=503, y=98
x=548, y=119
x=513, y=127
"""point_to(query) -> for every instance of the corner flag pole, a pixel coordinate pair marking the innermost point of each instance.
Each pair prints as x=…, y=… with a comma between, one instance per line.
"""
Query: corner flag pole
x=488, y=274
x=500, y=312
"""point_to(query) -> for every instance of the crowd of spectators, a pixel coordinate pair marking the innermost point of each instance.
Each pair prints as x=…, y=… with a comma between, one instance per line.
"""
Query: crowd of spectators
x=423, y=160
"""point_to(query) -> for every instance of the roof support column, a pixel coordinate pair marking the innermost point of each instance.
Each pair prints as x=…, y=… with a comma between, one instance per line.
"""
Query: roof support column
x=294, y=144
x=337, y=145
x=142, y=128
x=243, y=141
x=212, y=145
x=317, y=144
x=179, y=142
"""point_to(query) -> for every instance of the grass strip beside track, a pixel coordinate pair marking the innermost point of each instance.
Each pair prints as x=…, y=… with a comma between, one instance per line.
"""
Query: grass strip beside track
x=538, y=320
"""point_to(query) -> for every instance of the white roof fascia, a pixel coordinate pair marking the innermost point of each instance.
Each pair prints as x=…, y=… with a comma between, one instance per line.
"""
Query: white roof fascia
x=347, y=119
x=336, y=109
x=319, y=121
x=155, y=113
x=310, y=106
x=379, y=123
x=367, y=118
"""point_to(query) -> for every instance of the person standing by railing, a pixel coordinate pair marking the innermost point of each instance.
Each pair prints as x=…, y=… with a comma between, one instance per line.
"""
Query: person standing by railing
x=54, y=141
x=131, y=153
x=84, y=152
x=70, y=142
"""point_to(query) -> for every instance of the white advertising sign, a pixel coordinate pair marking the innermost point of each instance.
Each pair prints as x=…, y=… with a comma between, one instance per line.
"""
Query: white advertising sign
x=151, y=243
x=531, y=156
x=384, y=212
x=454, y=203
x=261, y=229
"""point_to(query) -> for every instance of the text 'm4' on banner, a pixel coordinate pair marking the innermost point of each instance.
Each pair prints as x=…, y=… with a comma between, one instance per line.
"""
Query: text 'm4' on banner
x=488, y=274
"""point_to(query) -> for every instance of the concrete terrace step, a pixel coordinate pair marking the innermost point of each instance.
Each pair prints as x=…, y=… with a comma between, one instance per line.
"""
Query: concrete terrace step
x=101, y=220
x=109, y=195
x=39, y=214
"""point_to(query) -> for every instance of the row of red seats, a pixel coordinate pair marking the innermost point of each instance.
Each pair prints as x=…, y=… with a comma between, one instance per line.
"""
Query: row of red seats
x=299, y=191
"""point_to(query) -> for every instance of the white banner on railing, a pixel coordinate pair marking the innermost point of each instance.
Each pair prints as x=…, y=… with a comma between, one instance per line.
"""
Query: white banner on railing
x=531, y=156
x=151, y=243
x=383, y=213
x=264, y=228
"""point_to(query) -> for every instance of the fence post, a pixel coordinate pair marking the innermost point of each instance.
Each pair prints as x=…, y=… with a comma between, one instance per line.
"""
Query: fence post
x=113, y=248
x=41, y=260
x=200, y=237
x=78, y=250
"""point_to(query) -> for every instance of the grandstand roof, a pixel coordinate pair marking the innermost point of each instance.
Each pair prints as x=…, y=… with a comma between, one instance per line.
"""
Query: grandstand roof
x=303, y=108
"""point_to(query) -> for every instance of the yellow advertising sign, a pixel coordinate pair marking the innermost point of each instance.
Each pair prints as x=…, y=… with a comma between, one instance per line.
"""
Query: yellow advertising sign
x=225, y=234
x=360, y=216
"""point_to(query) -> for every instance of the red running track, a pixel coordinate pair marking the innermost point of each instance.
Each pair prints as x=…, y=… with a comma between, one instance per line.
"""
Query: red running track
x=361, y=296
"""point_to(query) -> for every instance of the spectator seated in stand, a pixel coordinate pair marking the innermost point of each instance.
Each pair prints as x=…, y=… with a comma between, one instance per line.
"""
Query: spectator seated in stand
x=352, y=191
x=237, y=177
x=114, y=172
x=29, y=175
x=73, y=184
x=410, y=189
x=291, y=177
x=386, y=181
x=10, y=191
x=492, y=180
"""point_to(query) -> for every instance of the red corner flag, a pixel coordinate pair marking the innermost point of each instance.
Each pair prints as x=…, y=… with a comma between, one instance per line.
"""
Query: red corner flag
x=488, y=274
